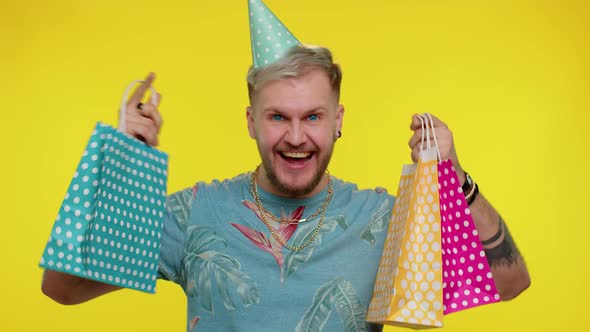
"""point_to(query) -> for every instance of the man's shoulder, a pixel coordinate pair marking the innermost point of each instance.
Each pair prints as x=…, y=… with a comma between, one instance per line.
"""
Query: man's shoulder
x=352, y=190
x=371, y=206
x=216, y=185
x=226, y=184
x=180, y=203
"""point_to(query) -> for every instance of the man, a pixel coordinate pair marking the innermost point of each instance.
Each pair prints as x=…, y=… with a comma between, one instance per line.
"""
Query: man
x=282, y=247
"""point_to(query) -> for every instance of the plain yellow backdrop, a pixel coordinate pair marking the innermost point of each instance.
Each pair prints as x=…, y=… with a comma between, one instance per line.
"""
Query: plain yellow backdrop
x=510, y=78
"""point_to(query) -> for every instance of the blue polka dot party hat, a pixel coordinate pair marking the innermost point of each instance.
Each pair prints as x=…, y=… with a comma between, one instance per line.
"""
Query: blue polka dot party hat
x=269, y=36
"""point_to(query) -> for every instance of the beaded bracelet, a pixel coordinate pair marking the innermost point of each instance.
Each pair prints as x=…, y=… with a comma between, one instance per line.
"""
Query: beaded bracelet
x=470, y=189
x=472, y=197
x=467, y=184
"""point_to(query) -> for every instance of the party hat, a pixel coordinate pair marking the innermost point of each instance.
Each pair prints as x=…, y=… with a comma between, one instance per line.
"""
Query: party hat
x=270, y=38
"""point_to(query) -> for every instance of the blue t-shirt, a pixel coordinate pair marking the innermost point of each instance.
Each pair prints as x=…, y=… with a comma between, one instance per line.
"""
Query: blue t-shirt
x=237, y=277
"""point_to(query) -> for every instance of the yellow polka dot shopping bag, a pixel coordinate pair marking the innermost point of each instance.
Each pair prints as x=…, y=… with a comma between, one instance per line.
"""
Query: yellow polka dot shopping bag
x=109, y=225
x=408, y=286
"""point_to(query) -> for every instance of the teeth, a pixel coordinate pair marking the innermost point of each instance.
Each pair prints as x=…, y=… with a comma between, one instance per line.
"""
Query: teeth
x=296, y=154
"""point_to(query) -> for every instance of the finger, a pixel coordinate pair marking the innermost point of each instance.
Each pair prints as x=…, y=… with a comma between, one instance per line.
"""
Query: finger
x=415, y=139
x=415, y=154
x=441, y=132
x=150, y=111
x=138, y=126
x=155, y=99
x=144, y=134
x=416, y=123
x=437, y=122
x=139, y=92
x=443, y=136
x=143, y=129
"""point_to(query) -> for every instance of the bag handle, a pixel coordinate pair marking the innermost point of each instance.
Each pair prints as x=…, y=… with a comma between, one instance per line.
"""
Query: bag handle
x=423, y=130
x=123, y=109
x=424, y=127
x=425, y=118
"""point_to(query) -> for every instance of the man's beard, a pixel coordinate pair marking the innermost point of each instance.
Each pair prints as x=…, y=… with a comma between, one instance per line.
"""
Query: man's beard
x=297, y=192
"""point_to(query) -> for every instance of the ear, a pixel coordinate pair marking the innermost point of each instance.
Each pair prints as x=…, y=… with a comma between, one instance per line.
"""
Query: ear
x=250, y=120
x=339, y=117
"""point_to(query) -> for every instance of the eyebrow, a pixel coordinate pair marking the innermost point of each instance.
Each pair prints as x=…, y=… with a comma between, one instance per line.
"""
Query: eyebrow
x=308, y=112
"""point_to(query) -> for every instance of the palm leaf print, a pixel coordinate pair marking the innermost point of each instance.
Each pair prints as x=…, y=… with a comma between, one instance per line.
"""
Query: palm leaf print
x=294, y=258
x=203, y=265
x=377, y=223
x=337, y=293
x=351, y=311
x=180, y=203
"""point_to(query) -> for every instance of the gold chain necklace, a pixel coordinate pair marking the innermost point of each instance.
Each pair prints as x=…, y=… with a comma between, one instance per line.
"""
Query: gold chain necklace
x=283, y=218
x=263, y=211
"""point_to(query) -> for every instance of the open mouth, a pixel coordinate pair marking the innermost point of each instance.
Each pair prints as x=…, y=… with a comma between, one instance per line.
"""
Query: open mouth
x=296, y=157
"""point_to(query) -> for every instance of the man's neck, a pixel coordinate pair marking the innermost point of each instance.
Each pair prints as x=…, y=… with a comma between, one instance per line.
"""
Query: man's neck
x=264, y=182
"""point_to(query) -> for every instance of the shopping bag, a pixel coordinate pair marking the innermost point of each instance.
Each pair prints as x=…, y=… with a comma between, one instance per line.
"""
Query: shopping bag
x=408, y=286
x=467, y=278
x=109, y=225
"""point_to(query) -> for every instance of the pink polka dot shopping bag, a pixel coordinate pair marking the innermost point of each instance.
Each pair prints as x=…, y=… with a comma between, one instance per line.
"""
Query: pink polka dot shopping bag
x=109, y=225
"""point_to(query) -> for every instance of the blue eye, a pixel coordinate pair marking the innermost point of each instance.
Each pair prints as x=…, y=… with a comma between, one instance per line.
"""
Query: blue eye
x=277, y=117
x=313, y=117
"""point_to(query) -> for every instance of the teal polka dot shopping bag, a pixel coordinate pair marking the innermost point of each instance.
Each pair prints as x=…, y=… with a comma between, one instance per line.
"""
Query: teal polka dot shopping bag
x=109, y=225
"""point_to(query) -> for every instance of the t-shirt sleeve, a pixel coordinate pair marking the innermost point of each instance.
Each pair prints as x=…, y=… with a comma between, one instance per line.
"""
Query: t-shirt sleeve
x=172, y=249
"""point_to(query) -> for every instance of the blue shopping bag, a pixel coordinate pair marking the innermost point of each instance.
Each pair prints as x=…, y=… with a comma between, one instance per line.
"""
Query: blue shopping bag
x=109, y=225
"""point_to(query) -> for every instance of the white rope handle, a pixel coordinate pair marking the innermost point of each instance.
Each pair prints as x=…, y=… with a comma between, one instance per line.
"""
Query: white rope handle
x=428, y=145
x=427, y=115
x=422, y=127
x=123, y=110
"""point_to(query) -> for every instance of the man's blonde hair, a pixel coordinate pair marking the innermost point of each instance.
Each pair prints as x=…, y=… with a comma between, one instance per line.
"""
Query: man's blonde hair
x=296, y=62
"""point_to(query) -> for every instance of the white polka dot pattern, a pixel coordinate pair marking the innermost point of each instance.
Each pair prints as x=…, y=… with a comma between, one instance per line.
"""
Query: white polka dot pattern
x=408, y=286
x=109, y=225
x=467, y=280
x=270, y=38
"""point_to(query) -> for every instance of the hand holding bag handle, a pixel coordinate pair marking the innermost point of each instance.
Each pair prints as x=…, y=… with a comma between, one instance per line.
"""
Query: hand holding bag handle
x=428, y=124
x=117, y=195
x=146, y=132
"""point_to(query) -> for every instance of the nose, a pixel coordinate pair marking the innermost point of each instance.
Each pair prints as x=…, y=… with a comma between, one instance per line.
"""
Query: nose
x=295, y=135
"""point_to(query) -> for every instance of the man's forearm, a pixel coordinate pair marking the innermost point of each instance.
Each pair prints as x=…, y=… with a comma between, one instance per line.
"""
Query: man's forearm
x=507, y=265
x=69, y=289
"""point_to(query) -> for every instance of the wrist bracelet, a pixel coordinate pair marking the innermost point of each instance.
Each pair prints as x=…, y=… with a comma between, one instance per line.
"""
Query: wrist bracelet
x=472, y=196
x=469, y=193
x=468, y=184
x=496, y=236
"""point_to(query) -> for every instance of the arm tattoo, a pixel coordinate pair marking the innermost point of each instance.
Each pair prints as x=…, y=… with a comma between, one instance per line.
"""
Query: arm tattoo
x=506, y=252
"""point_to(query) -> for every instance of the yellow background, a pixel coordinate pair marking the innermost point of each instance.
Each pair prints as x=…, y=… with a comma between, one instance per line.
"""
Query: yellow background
x=511, y=79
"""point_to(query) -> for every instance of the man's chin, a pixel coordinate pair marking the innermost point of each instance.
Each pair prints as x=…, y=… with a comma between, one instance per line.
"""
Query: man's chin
x=295, y=183
x=295, y=189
